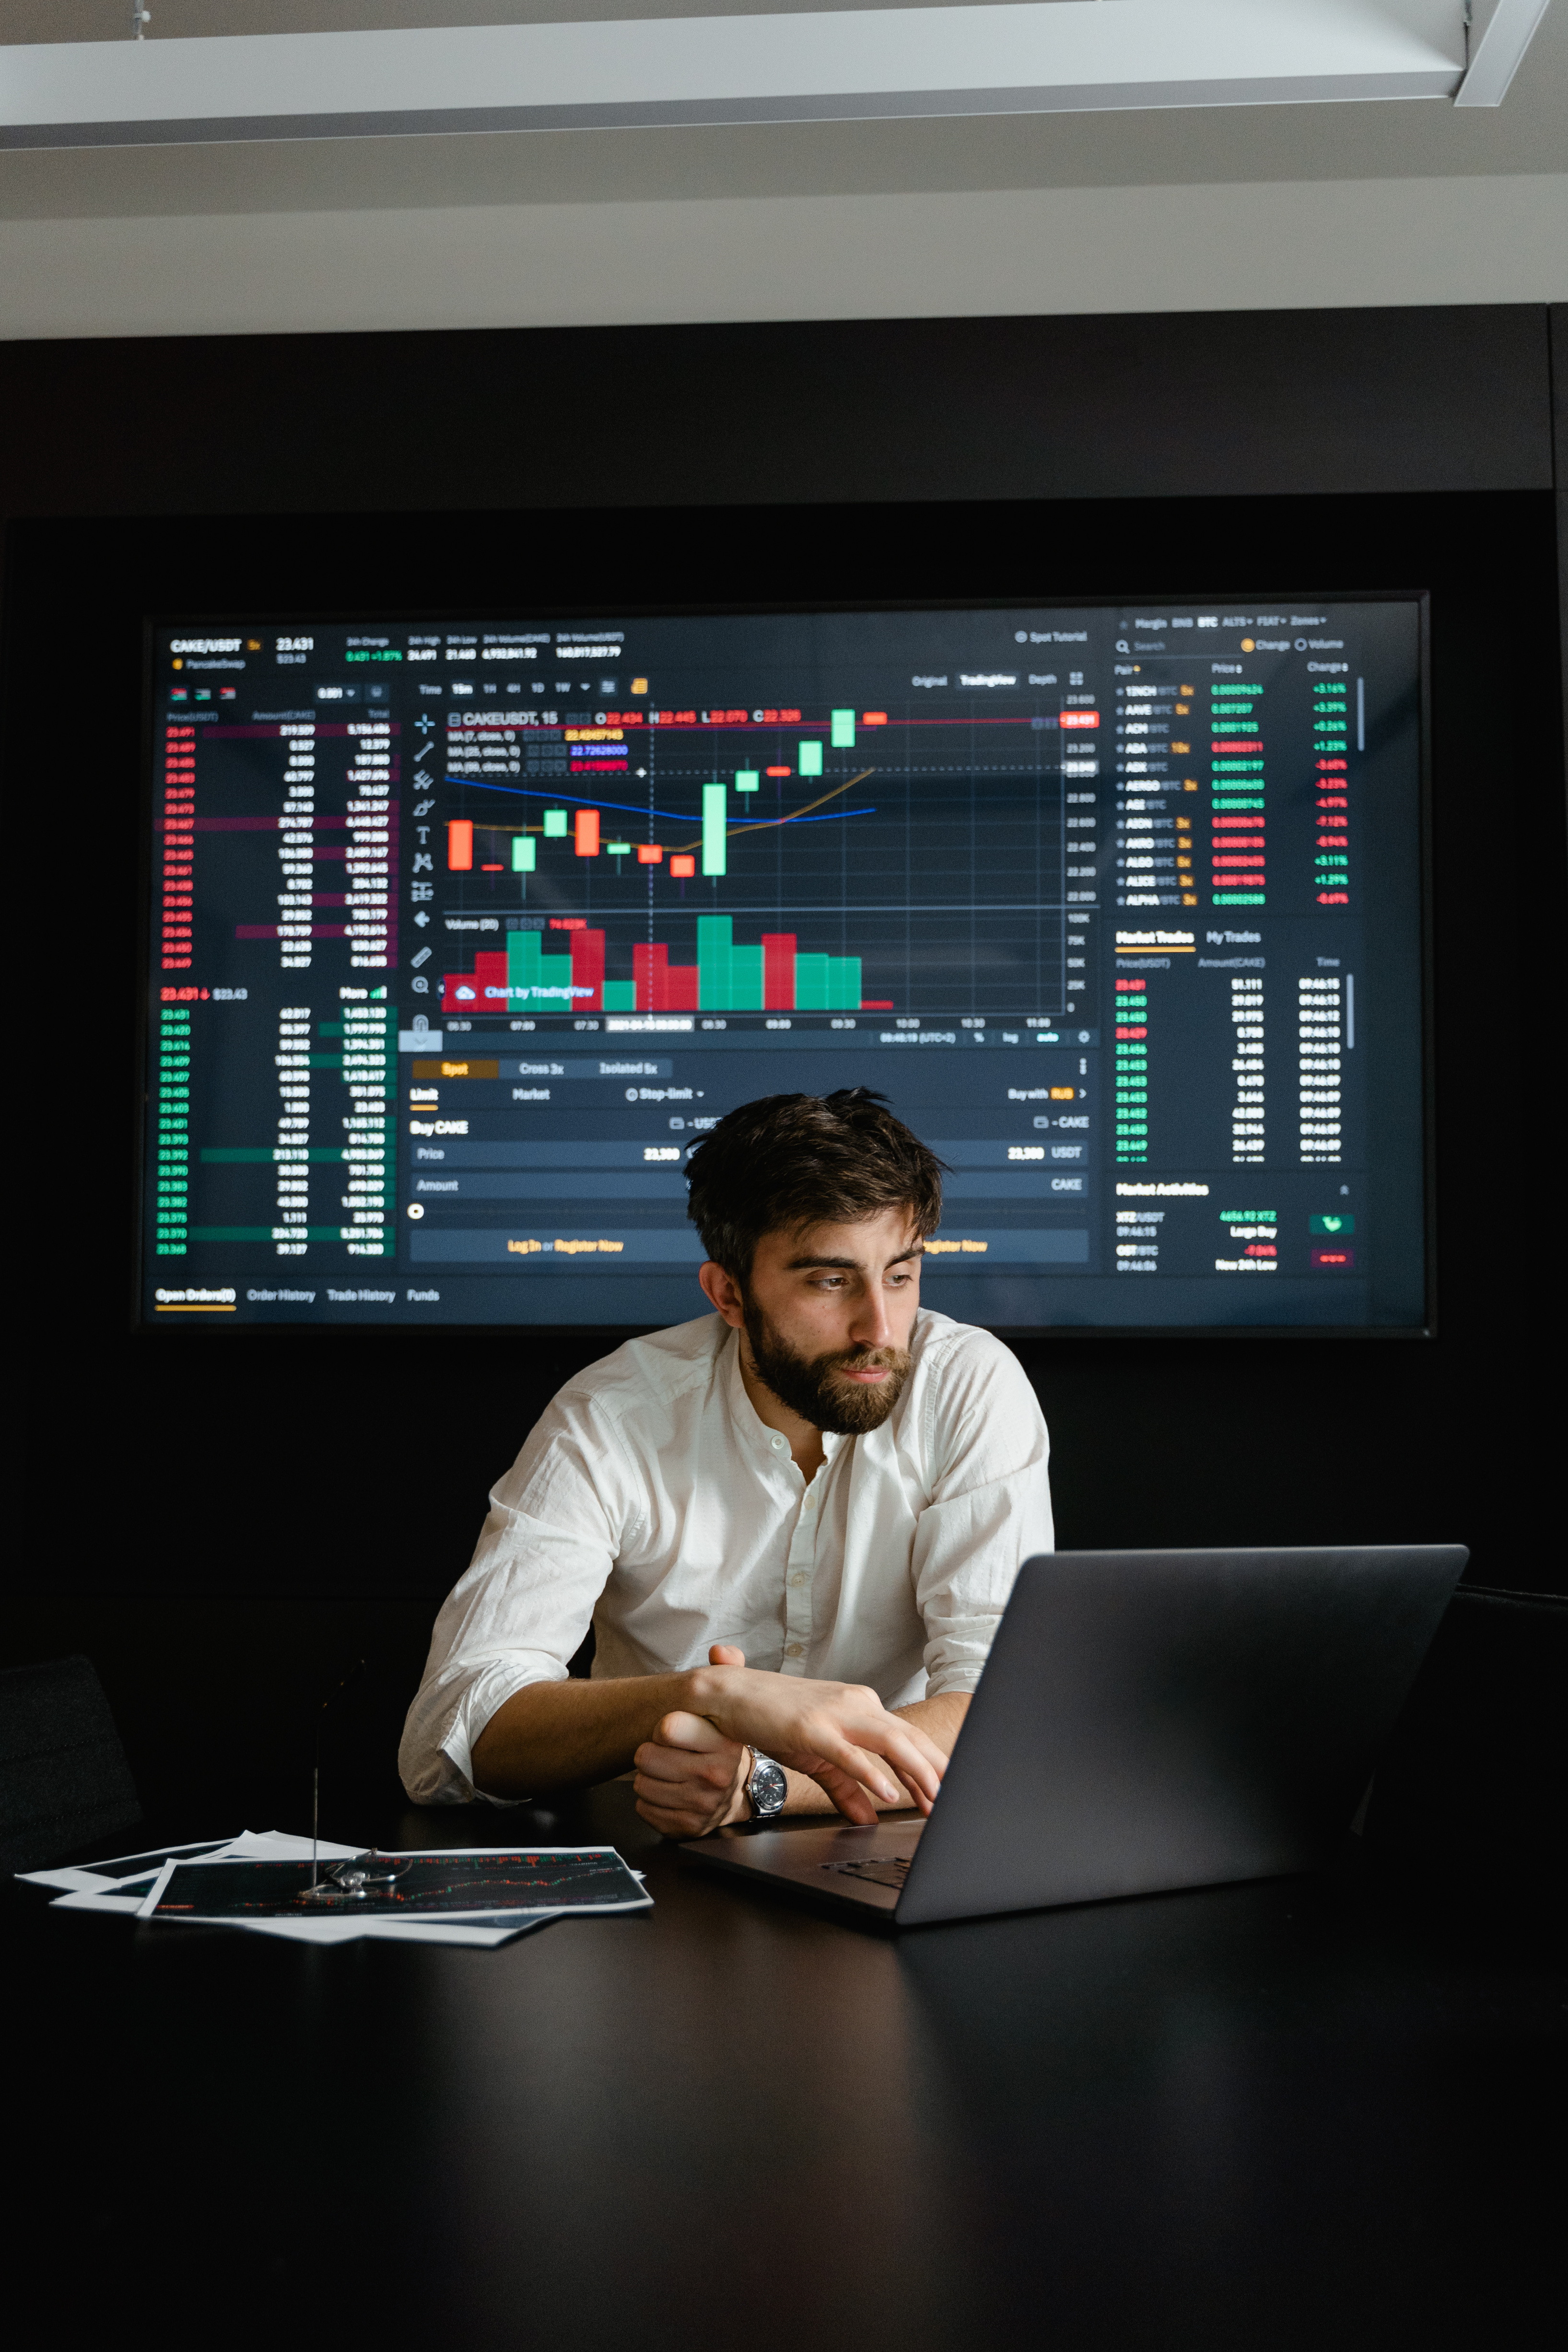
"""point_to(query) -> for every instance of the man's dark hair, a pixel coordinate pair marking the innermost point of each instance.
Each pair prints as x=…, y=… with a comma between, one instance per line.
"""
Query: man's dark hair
x=793, y=1160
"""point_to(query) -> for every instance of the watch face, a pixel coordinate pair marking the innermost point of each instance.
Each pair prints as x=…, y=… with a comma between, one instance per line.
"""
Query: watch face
x=767, y=1789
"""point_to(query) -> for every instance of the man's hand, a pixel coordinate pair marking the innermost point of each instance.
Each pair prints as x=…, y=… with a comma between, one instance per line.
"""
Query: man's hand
x=685, y=1735
x=690, y=1776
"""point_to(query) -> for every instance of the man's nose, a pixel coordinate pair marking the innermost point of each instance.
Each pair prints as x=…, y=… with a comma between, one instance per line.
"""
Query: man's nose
x=870, y=1326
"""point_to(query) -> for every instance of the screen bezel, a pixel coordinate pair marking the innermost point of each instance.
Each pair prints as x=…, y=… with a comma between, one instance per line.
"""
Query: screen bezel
x=215, y=616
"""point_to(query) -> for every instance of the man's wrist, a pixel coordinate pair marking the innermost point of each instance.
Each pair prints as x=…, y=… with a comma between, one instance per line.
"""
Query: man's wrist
x=706, y=1686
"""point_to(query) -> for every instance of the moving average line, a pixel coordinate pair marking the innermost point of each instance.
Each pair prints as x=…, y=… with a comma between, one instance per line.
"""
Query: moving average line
x=628, y=808
x=771, y=824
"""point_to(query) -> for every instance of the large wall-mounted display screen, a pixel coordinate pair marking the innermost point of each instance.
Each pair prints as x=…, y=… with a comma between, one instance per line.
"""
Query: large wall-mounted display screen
x=464, y=934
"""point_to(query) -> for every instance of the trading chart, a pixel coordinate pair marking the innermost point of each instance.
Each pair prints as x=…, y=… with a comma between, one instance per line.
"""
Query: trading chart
x=463, y=937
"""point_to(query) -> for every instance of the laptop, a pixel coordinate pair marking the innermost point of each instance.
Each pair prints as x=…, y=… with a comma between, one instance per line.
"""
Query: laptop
x=1147, y=1720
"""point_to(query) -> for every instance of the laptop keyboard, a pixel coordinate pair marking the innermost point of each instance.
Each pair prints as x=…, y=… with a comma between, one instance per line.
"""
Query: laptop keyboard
x=891, y=1873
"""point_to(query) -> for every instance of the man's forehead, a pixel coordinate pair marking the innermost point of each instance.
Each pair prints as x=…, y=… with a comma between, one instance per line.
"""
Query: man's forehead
x=874, y=1241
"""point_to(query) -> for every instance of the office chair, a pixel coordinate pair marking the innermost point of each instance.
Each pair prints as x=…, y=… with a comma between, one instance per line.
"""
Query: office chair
x=64, y=1779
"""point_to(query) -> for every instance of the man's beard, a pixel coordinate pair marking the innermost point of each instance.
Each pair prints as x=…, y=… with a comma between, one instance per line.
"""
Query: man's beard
x=811, y=1385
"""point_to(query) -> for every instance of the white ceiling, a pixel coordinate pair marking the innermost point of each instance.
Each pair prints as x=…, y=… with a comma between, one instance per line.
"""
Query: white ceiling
x=1220, y=208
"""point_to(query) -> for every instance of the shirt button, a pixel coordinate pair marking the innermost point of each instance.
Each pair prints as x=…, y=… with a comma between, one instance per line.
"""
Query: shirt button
x=800, y=1580
x=794, y=1649
x=779, y=1444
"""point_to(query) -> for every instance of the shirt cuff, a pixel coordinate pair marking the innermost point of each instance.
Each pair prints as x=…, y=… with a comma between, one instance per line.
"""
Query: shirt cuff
x=450, y=1785
x=964, y=1680
x=457, y=1789
x=448, y=1778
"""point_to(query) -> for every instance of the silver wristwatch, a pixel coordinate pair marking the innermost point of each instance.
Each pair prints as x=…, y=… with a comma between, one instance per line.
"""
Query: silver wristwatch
x=766, y=1789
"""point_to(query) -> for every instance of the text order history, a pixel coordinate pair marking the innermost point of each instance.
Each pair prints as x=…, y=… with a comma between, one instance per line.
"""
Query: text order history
x=463, y=937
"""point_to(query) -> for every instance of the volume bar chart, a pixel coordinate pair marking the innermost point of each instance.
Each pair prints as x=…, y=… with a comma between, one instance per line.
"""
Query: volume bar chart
x=769, y=975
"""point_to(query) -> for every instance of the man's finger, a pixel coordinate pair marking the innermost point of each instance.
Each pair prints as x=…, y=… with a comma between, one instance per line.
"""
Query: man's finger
x=848, y=1795
x=850, y=1772
x=898, y=1747
x=725, y=1654
x=870, y=1763
x=898, y=1789
x=851, y=1792
x=867, y=1772
x=902, y=1744
x=917, y=1797
x=858, y=1762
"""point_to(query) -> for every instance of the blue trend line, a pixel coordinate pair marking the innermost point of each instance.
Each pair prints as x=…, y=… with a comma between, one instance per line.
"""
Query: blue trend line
x=833, y=819
x=517, y=792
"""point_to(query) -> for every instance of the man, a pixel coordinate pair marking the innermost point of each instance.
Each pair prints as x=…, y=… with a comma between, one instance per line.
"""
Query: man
x=822, y=1477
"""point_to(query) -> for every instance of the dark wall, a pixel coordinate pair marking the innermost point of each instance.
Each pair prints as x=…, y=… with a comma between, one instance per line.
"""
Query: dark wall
x=1261, y=403
x=228, y=1520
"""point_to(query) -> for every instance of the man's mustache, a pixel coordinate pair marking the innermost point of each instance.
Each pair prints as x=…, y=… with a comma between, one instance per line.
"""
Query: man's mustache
x=866, y=1360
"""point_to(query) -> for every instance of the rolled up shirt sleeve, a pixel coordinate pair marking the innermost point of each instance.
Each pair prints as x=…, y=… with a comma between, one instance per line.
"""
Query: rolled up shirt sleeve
x=990, y=1506
x=519, y=1613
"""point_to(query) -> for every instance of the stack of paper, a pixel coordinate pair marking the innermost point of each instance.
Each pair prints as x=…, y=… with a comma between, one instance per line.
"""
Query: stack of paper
x=471, y=1895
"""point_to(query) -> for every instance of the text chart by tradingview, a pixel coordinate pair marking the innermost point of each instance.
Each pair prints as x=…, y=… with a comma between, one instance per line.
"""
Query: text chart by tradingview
x=464, y=935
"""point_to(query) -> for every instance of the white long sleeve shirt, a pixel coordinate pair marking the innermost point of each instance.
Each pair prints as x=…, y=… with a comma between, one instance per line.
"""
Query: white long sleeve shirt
x=650, y=1500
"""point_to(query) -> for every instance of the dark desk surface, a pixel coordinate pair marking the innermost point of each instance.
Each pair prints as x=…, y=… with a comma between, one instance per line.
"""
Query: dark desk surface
x=1277, y=2116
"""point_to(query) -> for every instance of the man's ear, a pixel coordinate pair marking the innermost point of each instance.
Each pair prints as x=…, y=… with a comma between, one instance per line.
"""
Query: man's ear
x=723, y=1291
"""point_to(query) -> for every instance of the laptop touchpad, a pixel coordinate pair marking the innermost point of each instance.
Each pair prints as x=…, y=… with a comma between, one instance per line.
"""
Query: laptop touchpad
x=891, y=1871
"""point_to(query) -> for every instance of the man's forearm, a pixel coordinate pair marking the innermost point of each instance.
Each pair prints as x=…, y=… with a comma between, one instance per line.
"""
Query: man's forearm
x=941, y=1718
x=571, y=1734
